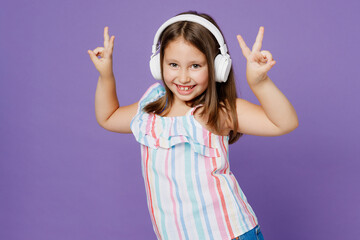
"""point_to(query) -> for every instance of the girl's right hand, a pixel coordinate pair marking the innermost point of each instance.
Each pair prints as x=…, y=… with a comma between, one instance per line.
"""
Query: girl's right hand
x=104, y=63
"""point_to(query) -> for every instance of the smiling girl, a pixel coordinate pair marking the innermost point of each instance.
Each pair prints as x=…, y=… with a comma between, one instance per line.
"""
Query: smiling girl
x=185, y=126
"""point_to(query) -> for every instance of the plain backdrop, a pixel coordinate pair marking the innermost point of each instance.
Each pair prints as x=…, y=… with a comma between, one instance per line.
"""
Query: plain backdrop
x=62, y=176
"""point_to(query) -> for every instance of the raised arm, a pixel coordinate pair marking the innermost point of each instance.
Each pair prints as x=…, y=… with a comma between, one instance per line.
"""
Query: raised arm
x=275, y=116
x=108, y=113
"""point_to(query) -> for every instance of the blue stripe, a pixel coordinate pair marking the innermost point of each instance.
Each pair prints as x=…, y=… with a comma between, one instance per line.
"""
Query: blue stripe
x=146, y=142
x=156, y=91
x=163, y=126
x=177, y=192
x=139, y=125
x=190, y=190
x=175, y=126
x=206, y=216
x=194, y=128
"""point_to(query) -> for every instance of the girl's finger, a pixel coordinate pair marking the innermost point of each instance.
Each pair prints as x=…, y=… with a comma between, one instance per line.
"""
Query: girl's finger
x=99, y=51
x=270, y=61
x=93, y=57
x=258, y=41
x=259, y=57
x=112, y=39
x=106, y=37
x=266, y=67
x=267, y=55
x=245, y=50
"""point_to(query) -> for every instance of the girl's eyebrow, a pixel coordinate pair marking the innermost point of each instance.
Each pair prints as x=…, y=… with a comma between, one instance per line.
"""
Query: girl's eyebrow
x=170, y=60
x=191, y=62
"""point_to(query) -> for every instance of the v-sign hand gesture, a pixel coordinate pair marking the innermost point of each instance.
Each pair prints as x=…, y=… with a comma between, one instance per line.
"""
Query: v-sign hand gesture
x=258, y=62
x=104, y=63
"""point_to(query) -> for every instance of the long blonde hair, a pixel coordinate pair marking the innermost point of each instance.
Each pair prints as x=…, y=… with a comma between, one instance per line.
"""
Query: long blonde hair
x=218, y=97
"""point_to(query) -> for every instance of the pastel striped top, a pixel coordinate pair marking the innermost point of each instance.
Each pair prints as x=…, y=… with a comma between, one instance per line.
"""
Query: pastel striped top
x=191, y=192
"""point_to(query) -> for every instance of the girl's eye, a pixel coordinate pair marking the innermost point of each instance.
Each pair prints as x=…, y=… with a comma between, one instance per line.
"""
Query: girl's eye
x=195, y=66
x=173, y=65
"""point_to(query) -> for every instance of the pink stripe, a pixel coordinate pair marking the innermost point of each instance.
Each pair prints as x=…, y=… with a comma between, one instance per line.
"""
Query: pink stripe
x=192, y=112
x=218, y=185
x=149, y=194
x=217, y=152
x=171, y=193
x=153, y=126
x=226, y=155
x=223, y=149
x=209, y=139
x=223, y=203
x=217, y=208
x=148, y=122
x=204, y=135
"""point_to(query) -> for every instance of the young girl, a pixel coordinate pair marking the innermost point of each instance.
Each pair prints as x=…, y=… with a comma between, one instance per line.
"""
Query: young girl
x=185, y=126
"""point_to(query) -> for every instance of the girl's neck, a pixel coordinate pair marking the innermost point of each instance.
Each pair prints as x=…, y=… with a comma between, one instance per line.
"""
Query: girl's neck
x=177, y=109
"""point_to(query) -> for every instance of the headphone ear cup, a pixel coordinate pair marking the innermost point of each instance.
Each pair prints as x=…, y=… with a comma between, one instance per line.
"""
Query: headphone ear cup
x=222, y=67
x=155, y=67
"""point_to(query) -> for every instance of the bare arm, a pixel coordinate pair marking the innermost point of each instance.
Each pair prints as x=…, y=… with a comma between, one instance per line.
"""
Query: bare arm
x=108, y=113
x=276, y=106
x=106, y=101
x=276, y=115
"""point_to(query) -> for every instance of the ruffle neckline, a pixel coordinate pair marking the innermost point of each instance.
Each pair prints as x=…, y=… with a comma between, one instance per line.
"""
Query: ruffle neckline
x=156, y=131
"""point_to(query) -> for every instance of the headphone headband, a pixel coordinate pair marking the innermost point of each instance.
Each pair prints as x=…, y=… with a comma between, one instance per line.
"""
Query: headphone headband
x=191, y=18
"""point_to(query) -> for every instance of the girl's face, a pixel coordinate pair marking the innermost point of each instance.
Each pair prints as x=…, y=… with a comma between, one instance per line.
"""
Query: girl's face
x=185, y=70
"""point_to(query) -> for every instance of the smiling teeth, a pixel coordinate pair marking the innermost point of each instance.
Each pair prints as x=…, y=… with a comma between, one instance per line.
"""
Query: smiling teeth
x=184, y=88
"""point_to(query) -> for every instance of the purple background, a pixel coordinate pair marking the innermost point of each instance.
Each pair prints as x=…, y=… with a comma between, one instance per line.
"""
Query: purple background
x=64, y=177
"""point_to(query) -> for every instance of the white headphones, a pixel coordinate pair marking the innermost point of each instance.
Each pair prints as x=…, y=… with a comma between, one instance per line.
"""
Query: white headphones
x=222, y=62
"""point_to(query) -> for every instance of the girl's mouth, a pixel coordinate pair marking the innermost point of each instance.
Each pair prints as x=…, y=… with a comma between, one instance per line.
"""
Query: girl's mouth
x=185, y=90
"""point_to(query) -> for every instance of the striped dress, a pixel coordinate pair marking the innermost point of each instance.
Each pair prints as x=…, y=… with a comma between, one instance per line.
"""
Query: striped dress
x=191, y=192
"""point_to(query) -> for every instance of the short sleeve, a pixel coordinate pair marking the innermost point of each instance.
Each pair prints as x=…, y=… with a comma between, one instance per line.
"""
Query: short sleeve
x=153, y=93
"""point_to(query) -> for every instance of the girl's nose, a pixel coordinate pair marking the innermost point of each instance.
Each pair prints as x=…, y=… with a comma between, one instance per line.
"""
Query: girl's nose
x=184, y=77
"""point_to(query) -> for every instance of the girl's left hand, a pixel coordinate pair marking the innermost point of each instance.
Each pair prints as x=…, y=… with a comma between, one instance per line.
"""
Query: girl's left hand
x=258, y=62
